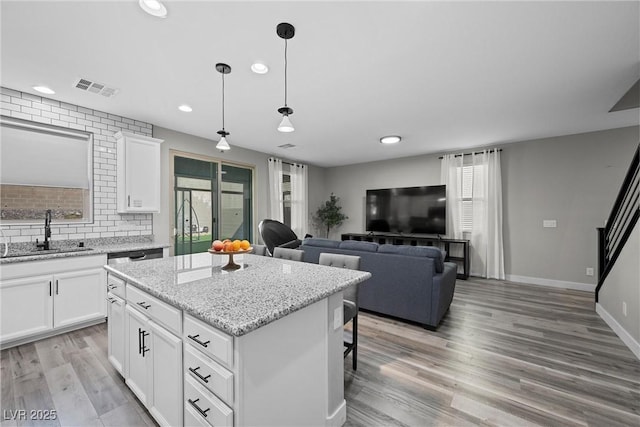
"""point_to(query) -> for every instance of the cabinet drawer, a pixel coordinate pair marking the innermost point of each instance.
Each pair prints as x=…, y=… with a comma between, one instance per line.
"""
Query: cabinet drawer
x=209, y=340
x=160, y=311
x=209, y=374
x=115, y=285
x=192, y=418
x=205, y=405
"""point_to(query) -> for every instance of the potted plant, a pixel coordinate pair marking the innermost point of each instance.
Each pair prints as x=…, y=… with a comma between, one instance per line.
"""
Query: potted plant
x=328, y=215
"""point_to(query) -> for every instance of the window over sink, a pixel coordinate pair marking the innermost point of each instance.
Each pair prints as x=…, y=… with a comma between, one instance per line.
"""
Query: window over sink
x=44, y=167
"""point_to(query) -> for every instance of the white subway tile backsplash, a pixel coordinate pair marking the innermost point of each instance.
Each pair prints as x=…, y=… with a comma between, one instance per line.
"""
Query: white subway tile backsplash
x=69, y=106
x=31, y=97
x=19, y=115
x=10, y=92
x=41, y=106
x=106, y=221
x=50, y=114
x=50, y=102
x=20, y=101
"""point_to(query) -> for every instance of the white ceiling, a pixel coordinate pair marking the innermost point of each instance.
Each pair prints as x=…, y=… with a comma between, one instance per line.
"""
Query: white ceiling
x=444, y=75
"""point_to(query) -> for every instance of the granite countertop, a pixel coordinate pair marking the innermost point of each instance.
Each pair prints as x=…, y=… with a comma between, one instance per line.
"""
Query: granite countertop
x=23, y=252
x=263, y=290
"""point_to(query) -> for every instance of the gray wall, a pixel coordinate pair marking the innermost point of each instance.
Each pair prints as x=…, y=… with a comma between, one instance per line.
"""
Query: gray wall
x=179, y=141
x=572, y=179
x=351, y=182
x=622, y=285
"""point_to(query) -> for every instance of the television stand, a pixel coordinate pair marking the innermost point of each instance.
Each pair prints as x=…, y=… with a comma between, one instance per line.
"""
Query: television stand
x=457, y=249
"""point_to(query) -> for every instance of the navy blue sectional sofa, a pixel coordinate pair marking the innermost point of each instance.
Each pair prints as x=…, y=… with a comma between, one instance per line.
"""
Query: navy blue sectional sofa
x=409, y=282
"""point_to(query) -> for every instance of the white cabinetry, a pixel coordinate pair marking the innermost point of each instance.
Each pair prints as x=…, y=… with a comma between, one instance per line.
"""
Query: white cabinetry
x=27, y=307
x=208, y=382
x=42, y=298
x=138, y=173
x=153, y=358
x=116, y=332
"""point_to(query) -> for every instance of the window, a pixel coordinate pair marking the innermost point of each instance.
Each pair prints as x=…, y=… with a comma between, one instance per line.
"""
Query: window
x=45, y=167
x=467, y=177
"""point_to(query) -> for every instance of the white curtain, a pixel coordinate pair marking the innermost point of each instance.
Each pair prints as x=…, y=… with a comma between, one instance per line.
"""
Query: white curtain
x=474, y=207
x=299, y=202
x=451, y=176
x=275, y=189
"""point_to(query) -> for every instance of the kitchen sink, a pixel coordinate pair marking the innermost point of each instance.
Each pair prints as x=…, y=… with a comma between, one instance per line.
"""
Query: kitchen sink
x=35, y=252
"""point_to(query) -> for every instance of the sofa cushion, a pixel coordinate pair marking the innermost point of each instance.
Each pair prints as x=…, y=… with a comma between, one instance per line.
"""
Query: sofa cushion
x=355, y=245
x=424, y=251
x=320, y=242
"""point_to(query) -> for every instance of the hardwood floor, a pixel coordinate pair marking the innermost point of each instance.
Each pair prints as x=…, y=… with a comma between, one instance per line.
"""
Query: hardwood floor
x=70, y=374
x=505, y=354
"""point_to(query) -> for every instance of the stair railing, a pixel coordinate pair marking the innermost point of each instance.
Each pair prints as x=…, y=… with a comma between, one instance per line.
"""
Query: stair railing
x=624, y=215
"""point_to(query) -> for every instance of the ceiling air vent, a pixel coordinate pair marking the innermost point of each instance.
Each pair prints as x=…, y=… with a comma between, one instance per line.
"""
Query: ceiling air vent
x=95, y=87
x=286, y=146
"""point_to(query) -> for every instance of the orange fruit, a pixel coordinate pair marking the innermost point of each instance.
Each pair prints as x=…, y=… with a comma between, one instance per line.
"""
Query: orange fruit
x=245, y=245
x=228, y=247
x=236, y=245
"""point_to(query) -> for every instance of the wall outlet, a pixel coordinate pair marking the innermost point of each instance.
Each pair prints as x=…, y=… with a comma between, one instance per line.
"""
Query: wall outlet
x=624, y=308
x=549, y=223
x=589, y=271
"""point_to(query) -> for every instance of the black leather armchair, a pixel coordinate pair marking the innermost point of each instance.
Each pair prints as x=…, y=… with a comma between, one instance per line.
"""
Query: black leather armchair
x=276, y=234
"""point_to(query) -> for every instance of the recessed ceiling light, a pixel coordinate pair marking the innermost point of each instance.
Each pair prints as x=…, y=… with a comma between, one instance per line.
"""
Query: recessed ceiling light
x=185, y=108
x=44, y=89
x=259, y=68
x=153, y=7
x=391, y=139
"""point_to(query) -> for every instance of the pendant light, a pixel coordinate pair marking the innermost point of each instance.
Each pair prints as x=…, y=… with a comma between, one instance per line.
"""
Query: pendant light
x=223, y=145
x=285, y=31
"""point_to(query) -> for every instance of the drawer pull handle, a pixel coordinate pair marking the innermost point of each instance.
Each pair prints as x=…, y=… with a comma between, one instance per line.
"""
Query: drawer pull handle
x=202, y=412
x=112, y=286
x=195, y=338
x=111, y=300
x=195, y=372
x=144, y=305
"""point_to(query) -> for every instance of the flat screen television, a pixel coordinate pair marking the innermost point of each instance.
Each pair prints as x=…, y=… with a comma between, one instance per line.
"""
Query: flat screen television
x=410, y=210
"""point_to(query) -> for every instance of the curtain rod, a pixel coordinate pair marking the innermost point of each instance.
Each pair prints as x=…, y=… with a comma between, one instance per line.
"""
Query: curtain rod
x=287, y=163
x=476, y=152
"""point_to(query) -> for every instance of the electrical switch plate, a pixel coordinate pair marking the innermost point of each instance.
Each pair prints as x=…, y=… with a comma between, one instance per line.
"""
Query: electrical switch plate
x=337, y=318
x=589, y=271
x=549, y=223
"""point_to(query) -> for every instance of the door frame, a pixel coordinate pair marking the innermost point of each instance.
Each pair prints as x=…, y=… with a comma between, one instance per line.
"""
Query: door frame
x=220, y=161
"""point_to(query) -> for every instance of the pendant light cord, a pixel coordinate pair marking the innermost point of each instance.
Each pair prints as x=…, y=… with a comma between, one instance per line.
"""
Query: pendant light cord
x=222, y=101
x=285, y=72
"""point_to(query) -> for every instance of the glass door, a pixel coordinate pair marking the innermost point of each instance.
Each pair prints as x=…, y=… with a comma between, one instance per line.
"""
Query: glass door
x=195, y=205
x=236, y=203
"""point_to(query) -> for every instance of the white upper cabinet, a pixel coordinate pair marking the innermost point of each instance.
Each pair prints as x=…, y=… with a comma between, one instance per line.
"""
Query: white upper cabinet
x=138, y=173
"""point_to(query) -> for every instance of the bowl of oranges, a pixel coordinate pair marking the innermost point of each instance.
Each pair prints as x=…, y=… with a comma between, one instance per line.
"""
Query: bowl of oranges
x=230, y=247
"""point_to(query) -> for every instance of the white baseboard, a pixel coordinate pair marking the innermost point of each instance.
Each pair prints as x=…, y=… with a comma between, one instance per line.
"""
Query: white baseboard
x=626, y=338
x=339, y=416
x=553, y=283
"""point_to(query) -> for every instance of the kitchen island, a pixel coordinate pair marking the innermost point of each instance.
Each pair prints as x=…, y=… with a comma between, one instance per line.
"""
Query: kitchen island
x=261, y=345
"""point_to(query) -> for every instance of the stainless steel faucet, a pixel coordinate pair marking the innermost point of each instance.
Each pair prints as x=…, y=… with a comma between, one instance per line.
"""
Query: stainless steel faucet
x=47, y=232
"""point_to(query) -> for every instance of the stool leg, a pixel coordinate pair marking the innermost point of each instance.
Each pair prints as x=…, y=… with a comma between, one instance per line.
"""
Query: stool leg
x=354, y=352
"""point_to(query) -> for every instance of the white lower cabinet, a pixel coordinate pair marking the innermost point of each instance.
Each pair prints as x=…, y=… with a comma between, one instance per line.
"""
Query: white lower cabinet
x=37, y=298
x=116, y=332
x=78, y=296
x=153, y=364
x=27, y=307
